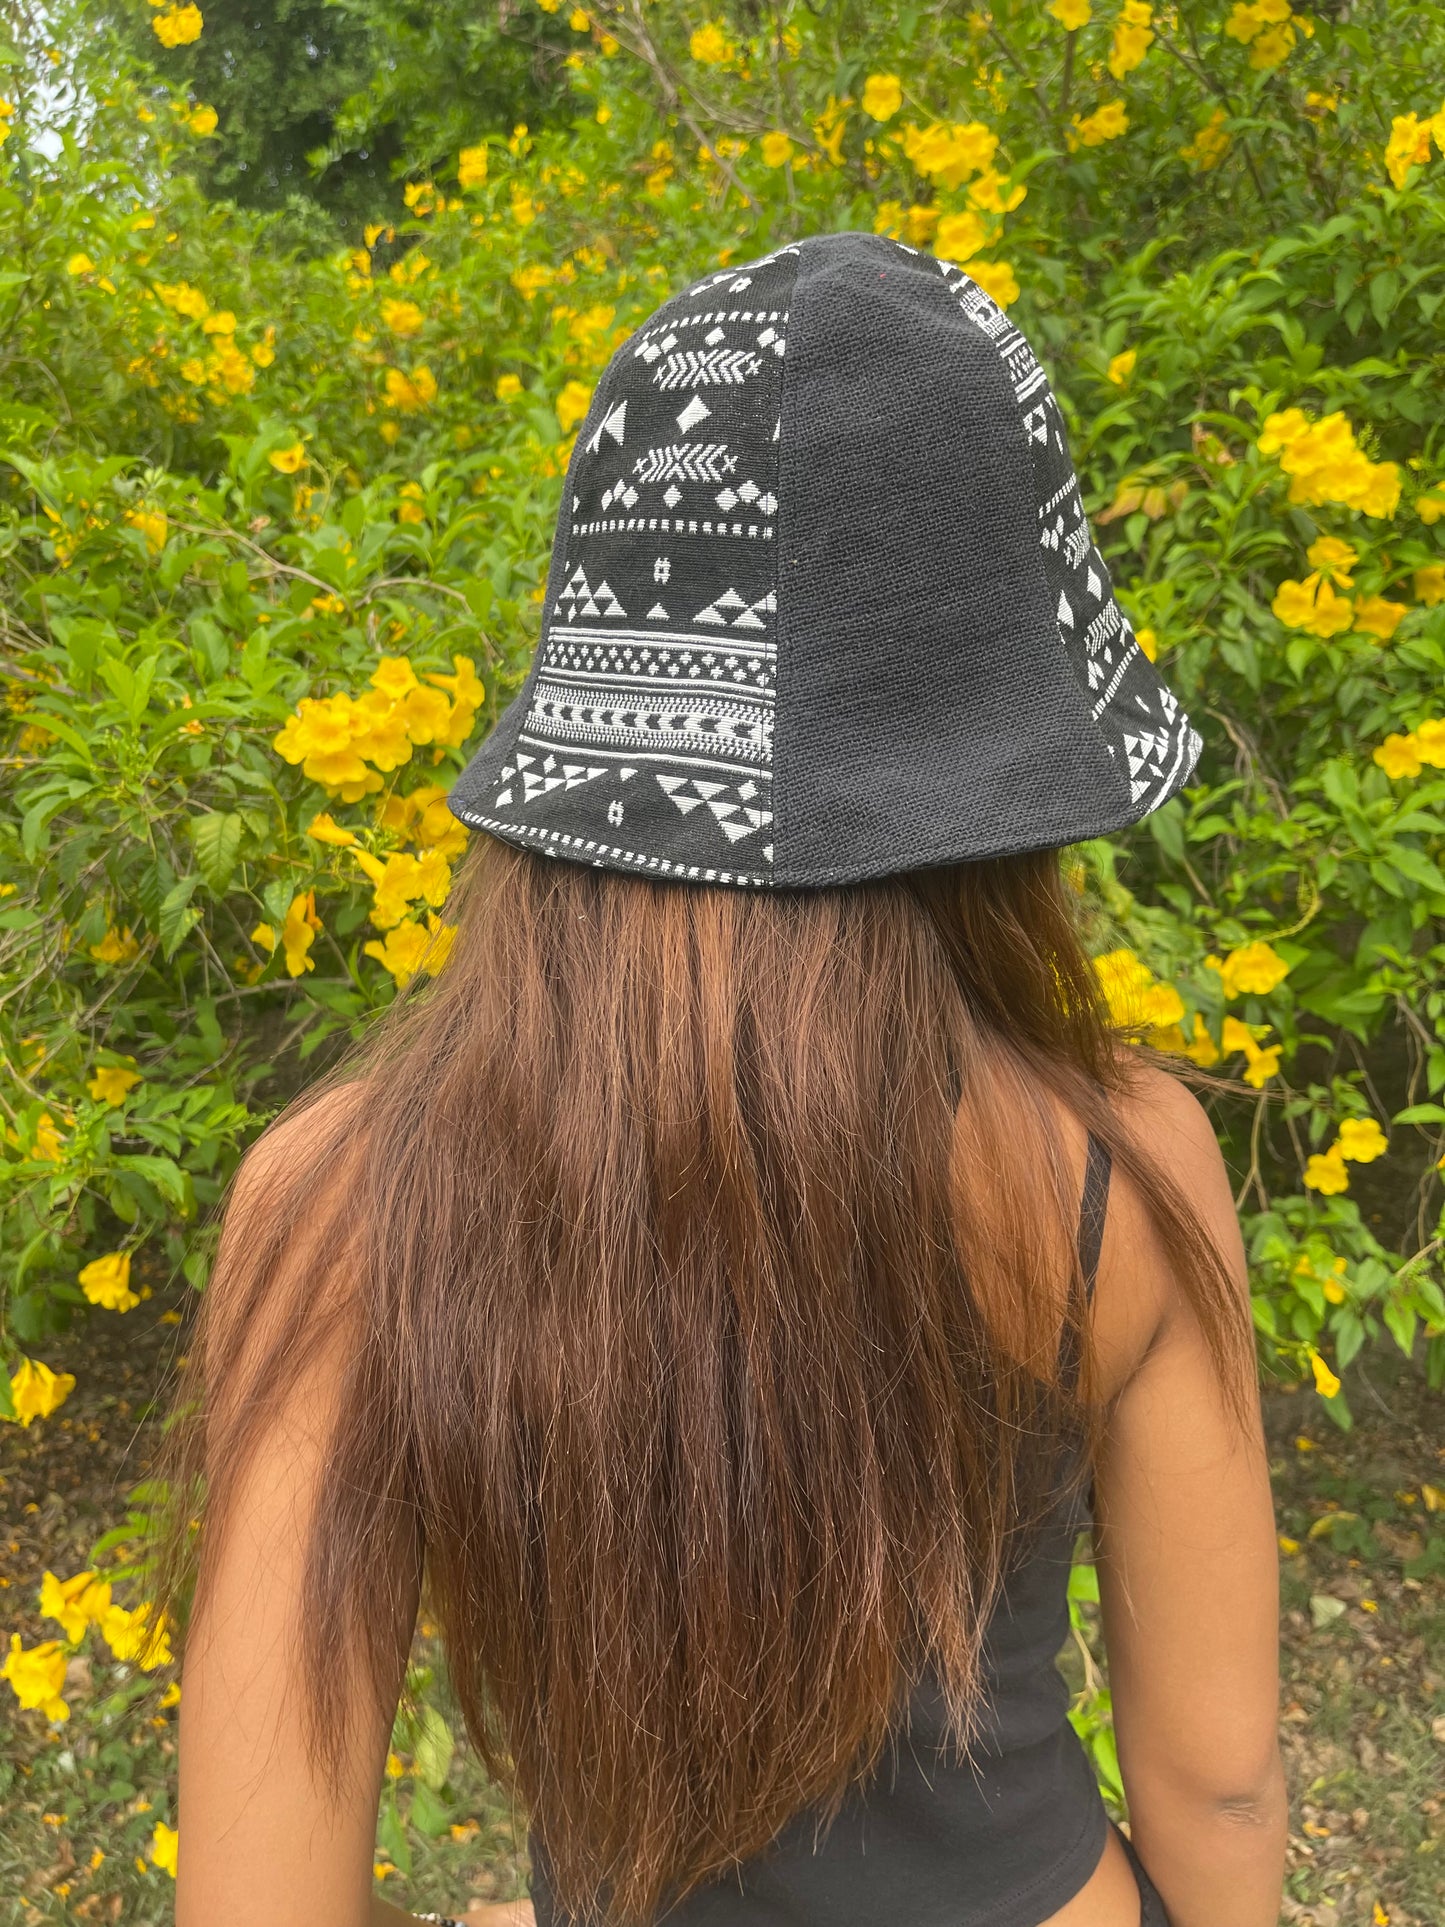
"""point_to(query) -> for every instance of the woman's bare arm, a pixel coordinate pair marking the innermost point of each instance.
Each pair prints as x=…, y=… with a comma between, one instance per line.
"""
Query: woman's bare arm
x=1188, y=1563
x=264, y=1842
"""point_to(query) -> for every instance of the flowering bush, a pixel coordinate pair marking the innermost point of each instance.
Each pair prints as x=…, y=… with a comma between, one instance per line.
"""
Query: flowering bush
x=273, y=534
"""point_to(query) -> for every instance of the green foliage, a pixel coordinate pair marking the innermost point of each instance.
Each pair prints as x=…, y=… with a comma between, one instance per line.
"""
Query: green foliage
x=236, y=479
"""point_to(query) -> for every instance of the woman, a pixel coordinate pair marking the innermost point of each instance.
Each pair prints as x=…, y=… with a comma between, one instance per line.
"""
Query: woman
x=727, y=1289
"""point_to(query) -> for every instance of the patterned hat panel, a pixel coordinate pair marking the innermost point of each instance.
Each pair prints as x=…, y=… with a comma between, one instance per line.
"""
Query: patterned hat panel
x=647, y=739
x=1144, y=728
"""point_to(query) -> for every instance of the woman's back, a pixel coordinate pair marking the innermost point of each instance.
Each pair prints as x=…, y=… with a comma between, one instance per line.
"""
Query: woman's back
x=1002, y=1835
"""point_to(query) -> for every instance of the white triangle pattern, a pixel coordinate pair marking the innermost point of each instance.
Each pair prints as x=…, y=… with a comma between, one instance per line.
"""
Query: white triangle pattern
x=735, y=819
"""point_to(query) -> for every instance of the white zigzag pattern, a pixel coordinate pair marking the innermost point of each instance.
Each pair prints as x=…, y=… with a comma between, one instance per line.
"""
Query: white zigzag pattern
x=695, y=367
x=695, y=462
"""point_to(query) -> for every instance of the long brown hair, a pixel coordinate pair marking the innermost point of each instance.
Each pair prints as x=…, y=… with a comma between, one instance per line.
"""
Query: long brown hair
x=709, y=1254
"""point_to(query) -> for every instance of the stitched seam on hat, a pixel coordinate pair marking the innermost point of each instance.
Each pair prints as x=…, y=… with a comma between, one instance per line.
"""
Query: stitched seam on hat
x=783, y=632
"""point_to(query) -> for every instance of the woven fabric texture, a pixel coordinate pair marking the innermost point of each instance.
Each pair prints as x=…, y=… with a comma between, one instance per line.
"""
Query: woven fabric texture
x=823, y=602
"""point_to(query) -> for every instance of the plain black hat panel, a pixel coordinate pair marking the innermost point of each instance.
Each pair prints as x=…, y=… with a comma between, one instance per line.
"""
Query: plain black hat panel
x=927, y=708
x=823, y=601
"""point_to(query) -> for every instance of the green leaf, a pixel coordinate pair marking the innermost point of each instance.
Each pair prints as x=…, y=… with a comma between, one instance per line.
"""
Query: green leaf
x=1400, y=1318
x=430, y=1814
x=277, y=900
x=176, y=917
x=434, y=1748
x=217, y=840
x=391, y=1837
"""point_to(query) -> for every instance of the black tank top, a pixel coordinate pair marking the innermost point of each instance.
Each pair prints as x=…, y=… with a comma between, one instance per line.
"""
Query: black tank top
x=1002, y=1838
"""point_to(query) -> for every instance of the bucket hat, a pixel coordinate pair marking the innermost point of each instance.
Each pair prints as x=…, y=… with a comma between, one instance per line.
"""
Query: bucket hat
x=823, y=601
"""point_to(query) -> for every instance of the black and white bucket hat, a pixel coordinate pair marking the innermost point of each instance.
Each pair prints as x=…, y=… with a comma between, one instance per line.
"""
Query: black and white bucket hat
x=823, y=601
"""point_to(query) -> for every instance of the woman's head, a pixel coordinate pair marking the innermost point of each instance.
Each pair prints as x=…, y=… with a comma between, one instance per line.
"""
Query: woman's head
x=706, y=1257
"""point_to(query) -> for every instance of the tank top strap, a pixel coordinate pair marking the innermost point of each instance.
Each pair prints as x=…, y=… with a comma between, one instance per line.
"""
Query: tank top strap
x=1092, y=1209
x=1093, y=1206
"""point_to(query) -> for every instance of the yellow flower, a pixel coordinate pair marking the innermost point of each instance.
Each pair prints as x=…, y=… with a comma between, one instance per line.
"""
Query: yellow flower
x=997, y=279
x=46, y=1145
x=572, y=405
x=75, y=1603
x=710, y=45
x=1312, y=605
x=408, y=948
x=80, y=264
x=472, y=167
x=325, y=829
x=412, y=392
x=1070, y=14
x=131, y=1637
x=1325, y=1172
x=1326, y=1384
x=775, y=149
x=508, y=387
x=411, y=507
x=1430, y=508
x=1133, y=36
x=179, y=27
x=1326, y=464
x=882, y=96
x=988, y=193
x=165, y=1847
x=36, y=1676
x=116, y=946
x=1333, y=558
x=1148, y=643
x=299, y=932
x=1133, y=993
x=202, y=121
x=1263, y=1064
x=109, y=1083
x=1210, y=143
x=1284, y=430
x=153, y=525
x=221, y=323
x=1407, y=147
x=1430, y=584
x=1202, y=1048
x=265, y=936
x=394, y=676
x=1107, y=123
x=579, y=20
x=1244, y=22
x=106, y=1282
x=402, y=317
x=1271, y=47
x=1399, y=756
x=1430, y=741
x=1121, y=366
x=1253, y=968
x=1379, y=617
x=1361, y=1140
x=36, y=1391
x=950, y=153
x=959, y=236
x=286, y=461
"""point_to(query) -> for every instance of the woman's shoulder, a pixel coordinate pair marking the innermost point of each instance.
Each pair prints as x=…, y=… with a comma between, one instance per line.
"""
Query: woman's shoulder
x=1138, y=1290
x=311, y=1135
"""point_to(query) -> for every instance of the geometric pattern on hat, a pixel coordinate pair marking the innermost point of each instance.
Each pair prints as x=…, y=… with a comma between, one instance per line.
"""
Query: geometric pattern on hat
x=823, y=600
x=645, y=731
x=1144, y=727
